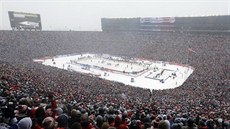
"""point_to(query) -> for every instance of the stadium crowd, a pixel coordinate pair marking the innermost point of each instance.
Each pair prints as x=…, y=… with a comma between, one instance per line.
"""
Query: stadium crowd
x=42, y=97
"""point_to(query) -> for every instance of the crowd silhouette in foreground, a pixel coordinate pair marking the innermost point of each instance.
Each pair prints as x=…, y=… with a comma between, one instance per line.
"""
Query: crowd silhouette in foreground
x=34, y=96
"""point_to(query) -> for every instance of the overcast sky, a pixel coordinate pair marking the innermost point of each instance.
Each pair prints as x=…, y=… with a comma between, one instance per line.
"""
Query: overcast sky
x=86, y=14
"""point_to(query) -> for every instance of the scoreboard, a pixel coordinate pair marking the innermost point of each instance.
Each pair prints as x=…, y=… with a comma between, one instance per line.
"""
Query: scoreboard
x=25, y=21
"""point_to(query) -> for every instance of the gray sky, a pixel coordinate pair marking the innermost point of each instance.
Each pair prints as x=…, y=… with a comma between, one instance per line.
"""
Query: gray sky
x=86, y=14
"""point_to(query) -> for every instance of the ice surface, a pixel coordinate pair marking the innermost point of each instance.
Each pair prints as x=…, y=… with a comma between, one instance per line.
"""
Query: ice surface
x=150, y=74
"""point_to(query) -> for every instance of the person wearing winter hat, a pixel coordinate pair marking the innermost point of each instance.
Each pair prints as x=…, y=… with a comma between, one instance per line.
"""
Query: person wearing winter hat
x=25, y=123
x=105, y=125
x=75, y=117
x=59, y=111
x=163, y=125
x=99, y=122
x=22, y=112
x=62, y=121
x=49, y=123
x=111, y=121
x=167, y=121
x=85, y=123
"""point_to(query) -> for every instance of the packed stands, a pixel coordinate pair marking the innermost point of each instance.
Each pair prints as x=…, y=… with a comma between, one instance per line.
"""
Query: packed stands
x=36, y=96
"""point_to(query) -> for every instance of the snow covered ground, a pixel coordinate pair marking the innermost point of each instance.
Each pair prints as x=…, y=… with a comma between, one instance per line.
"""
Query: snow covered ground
x=144, y=73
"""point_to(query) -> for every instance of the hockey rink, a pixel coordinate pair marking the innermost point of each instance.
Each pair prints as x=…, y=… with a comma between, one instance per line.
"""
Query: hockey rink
x=135, y=72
